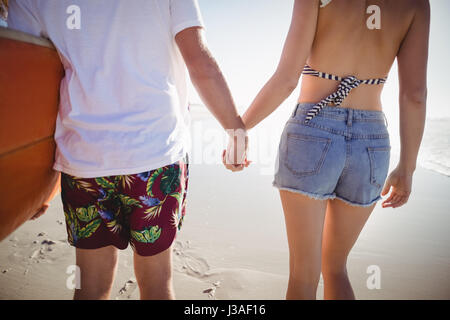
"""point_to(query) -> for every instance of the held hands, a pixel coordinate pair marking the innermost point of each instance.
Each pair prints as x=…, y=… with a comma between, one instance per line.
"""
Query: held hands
x=235, y=157
x=399, y=182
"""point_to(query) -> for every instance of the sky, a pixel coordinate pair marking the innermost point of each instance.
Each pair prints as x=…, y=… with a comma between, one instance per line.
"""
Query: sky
x=246, y=38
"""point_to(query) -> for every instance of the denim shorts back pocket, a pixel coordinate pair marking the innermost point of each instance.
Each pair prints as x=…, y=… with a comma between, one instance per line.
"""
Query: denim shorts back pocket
x=305, y=154
x=379, y=164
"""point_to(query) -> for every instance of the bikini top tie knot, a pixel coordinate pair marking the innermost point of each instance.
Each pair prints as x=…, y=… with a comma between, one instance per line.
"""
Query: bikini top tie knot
x=345, y=86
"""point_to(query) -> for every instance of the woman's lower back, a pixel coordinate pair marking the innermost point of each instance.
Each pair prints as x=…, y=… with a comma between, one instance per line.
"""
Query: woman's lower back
x=359, y=38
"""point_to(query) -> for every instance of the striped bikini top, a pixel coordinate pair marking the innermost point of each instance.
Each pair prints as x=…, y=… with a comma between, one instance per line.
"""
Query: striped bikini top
x=345, y=86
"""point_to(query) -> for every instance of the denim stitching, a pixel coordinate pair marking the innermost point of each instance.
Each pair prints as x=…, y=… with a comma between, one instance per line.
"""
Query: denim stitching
x=329, y=114
x=356, y=204
x=341, y=132
x=306, y=138
x=370, y=151
x=311, y=195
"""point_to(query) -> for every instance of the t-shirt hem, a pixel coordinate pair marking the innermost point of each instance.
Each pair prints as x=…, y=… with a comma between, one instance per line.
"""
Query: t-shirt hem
x=115, y=172
x=187, y=24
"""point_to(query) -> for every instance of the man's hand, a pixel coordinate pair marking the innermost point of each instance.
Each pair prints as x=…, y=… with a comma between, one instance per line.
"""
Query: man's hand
x=401, y=182
x=40, y=212
x=235, y=157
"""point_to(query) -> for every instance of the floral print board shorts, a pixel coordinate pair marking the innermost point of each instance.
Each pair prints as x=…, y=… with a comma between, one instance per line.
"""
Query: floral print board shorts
x=143, y=209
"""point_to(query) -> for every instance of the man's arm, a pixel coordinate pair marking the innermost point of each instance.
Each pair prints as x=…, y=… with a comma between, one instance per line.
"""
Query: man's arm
x=210, y=83
x=207, y=78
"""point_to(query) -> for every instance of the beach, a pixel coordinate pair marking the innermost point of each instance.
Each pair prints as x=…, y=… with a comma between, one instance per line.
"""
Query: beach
x=233, y=245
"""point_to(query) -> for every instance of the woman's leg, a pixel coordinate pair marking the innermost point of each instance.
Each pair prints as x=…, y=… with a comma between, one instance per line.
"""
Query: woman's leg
x=304, y=223
x=154, y=275
x=343, y=224
x=97, y=268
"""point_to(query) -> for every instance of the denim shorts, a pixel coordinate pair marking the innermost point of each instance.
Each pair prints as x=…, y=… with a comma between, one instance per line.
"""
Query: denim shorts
x=341, y=153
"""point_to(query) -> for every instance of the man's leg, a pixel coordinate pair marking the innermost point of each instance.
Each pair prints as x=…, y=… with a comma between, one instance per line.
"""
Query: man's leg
x=154, y=224
x=154, y=275
x=97, y=268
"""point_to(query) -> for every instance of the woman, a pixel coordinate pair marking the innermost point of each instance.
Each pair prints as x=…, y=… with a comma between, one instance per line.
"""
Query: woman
x=334, y=151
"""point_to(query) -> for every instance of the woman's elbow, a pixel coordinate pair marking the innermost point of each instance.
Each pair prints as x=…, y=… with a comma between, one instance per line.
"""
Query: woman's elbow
x=288, y=82
x=414, y=98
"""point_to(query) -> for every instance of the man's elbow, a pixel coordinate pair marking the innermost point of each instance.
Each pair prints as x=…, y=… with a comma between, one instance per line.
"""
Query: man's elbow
x=203, y=67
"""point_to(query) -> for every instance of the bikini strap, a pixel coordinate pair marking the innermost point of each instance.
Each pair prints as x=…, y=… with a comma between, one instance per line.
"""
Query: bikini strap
x=310, y=71
x=345, y=86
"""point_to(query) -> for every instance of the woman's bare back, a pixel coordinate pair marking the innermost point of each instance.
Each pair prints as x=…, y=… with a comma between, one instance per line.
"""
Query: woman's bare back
x=349, y=40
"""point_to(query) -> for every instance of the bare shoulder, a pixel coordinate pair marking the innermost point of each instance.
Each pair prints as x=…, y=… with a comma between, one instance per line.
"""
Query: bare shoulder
x=421, y=7
x=417, y=16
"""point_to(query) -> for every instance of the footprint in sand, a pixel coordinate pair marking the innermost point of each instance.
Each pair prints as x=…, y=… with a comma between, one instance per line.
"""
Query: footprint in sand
x=188, y=261
x=48, y=244
x=212, y=290
x=39, y=254
x=127, y=289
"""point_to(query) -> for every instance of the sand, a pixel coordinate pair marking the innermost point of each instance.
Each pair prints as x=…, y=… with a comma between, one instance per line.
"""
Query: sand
x=233, y=245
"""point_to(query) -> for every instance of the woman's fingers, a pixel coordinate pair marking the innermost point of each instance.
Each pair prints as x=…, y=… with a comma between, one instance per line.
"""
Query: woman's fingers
x=386, y=203
x=233, y=167
x=396, y=199
x=402, y=200
x=229, y=166
x=391, y=200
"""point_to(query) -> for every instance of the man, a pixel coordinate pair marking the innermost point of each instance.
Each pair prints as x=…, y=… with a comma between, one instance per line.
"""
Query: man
x=121, y=131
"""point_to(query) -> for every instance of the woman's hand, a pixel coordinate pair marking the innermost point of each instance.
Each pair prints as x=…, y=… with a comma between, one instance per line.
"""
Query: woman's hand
x=40, y=212
x=399, y=182
x=234, y=167
x=235, y=157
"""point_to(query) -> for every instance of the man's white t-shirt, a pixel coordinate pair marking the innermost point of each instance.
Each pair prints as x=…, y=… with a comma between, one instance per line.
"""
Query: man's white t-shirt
x=123, y=99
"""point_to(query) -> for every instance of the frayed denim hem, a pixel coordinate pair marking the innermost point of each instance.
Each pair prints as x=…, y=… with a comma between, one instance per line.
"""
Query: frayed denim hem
x=313, y=196
x=354, y=204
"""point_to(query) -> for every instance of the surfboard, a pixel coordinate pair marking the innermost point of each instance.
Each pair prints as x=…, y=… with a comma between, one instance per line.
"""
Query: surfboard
x=30, y=76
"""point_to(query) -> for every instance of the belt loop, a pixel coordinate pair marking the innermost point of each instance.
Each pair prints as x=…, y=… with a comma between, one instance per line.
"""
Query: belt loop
x=385, y=119
x=295, y=110
x=349, y=117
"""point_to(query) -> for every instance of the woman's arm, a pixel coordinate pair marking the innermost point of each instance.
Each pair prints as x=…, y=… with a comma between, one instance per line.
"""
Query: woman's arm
x=412, y=71
x=295, y=52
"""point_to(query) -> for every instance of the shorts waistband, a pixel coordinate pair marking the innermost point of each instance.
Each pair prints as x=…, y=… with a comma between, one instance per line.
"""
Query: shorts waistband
x=339, y=113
